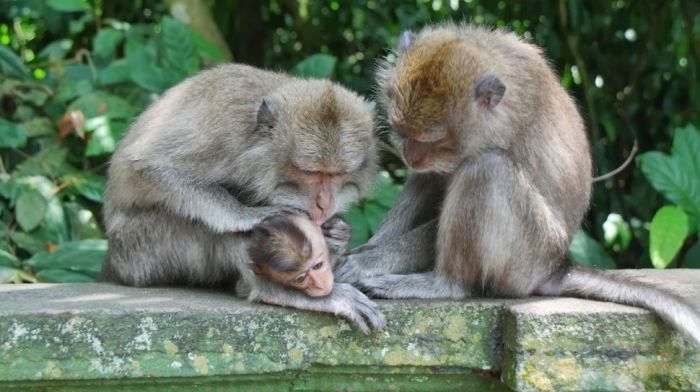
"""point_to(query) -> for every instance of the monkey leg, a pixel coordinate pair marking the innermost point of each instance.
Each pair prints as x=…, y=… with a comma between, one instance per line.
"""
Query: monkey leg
x=418, y=202
x=410, y=252
x=152, y=248
x=497, y=234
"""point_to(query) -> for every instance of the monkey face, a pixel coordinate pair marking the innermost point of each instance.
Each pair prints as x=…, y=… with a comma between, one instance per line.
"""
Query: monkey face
x=292, y=251
x=322, y=139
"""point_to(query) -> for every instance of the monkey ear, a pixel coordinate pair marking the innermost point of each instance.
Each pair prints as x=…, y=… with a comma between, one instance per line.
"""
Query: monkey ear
x=489, y=91
x=267, y=114
x=405, y=41
x=257, y=270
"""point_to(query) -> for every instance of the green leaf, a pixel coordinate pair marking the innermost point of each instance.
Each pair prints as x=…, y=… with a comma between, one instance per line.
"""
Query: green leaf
x=7, y=259
x=54, y=275
x=106, y=42
x=11, y=65
x=692, y=257
x=12, y=135
x=89, y=186
x=30, y=209
x=374, y=213
x=39, y=126
x=68, y=5
x=34, y=242
x=316, y=66
x=360, y=231
x=586, y=251
x=117, y=72
x=667, y=232
x=686, y=148
x=83, y=255
x=57, y=49
x=145, y=73
x=179, y=48
x=50, y=162
x=206, y=49
x=669, y=176
x=71, y=90
x=99, y=103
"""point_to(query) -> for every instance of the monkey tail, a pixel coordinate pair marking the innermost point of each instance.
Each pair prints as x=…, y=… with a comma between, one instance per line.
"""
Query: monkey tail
x=600, y=285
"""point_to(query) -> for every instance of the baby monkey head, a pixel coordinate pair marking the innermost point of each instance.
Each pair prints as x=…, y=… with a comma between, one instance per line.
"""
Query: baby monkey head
x=320, y=141
x=291, y=250
x=439, y=95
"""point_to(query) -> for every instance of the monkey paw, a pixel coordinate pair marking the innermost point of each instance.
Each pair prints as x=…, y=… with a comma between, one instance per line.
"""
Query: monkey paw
x=358, y=309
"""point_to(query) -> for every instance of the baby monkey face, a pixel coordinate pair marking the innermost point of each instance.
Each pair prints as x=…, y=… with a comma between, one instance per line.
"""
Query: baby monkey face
x=291, y=250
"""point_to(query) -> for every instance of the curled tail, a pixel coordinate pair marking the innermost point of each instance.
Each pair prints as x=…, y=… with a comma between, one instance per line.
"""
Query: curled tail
x=583, y=282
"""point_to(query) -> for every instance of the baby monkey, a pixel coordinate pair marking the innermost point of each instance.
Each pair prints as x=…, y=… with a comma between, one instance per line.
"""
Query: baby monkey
x=294, y=252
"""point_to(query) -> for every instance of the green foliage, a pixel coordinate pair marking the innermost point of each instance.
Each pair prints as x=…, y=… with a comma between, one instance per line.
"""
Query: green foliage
x=366, y=217
x=677, y=177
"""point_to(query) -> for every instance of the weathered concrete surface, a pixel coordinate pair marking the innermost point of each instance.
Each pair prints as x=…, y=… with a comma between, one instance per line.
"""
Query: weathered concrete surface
x=573, y=344
x=99, y=336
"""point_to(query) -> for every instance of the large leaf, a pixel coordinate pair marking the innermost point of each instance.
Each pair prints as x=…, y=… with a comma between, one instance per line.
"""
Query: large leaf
x=586, y=251
x=12, y=135
x=316, y=66
x=30, y=209
x=83, y=255
x=11, y=65
x=179, y=48
x=374, y=213
x=673, y=179
x=57, y=49
x=101, y=140
x=83, y=224
x=68, y=5
x=106, y=42
x=667, y=232
x=686, y=148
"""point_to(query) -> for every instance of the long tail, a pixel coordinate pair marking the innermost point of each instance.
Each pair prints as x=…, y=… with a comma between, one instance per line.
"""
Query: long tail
x=583, y=282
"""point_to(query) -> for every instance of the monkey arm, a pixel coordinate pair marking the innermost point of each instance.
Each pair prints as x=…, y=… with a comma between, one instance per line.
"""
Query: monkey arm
x=345, y=301
x=185, y=195
x=418, y=202
x=426, y=285
x=413, y=251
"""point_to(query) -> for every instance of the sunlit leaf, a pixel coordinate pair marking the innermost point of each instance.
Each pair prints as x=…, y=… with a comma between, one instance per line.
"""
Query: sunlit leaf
x=100, y=103
x=686, y=148
x=673, y=179
x=667, y=232
x=57, y=49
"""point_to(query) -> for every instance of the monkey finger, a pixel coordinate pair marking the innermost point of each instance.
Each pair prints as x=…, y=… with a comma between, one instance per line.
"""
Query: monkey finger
x=359, y=322
x=375, y=317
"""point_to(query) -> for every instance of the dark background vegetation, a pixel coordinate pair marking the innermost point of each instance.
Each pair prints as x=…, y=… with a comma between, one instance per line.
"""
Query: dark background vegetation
x=74, y=73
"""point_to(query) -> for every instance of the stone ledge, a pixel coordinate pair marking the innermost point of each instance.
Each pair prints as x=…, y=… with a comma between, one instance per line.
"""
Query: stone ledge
x=72, y=337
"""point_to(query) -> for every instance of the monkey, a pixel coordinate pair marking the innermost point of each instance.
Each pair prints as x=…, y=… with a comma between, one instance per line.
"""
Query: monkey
x=292, y=251
x=501, y=179
x=217, y=154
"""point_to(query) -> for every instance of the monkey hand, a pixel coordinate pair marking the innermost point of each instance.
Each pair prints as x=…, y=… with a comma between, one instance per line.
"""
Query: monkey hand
x=350, y=303
x=337, y=233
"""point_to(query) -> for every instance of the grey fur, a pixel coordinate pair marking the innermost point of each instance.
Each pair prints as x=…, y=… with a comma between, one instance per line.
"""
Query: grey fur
x=518, y=183
x=210, y=159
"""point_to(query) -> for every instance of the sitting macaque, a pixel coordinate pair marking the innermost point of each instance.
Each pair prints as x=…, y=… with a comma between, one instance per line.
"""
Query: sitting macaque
x=291, y=250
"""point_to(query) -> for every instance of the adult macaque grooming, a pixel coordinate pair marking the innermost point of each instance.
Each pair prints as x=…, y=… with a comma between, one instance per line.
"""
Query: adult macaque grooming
x=215, y=156
x=292, y=251
x=481, y=112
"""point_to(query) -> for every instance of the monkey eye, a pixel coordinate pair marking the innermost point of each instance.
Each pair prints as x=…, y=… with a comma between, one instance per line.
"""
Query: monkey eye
x=318, y=265
x=300, y=279
x=309, y=172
